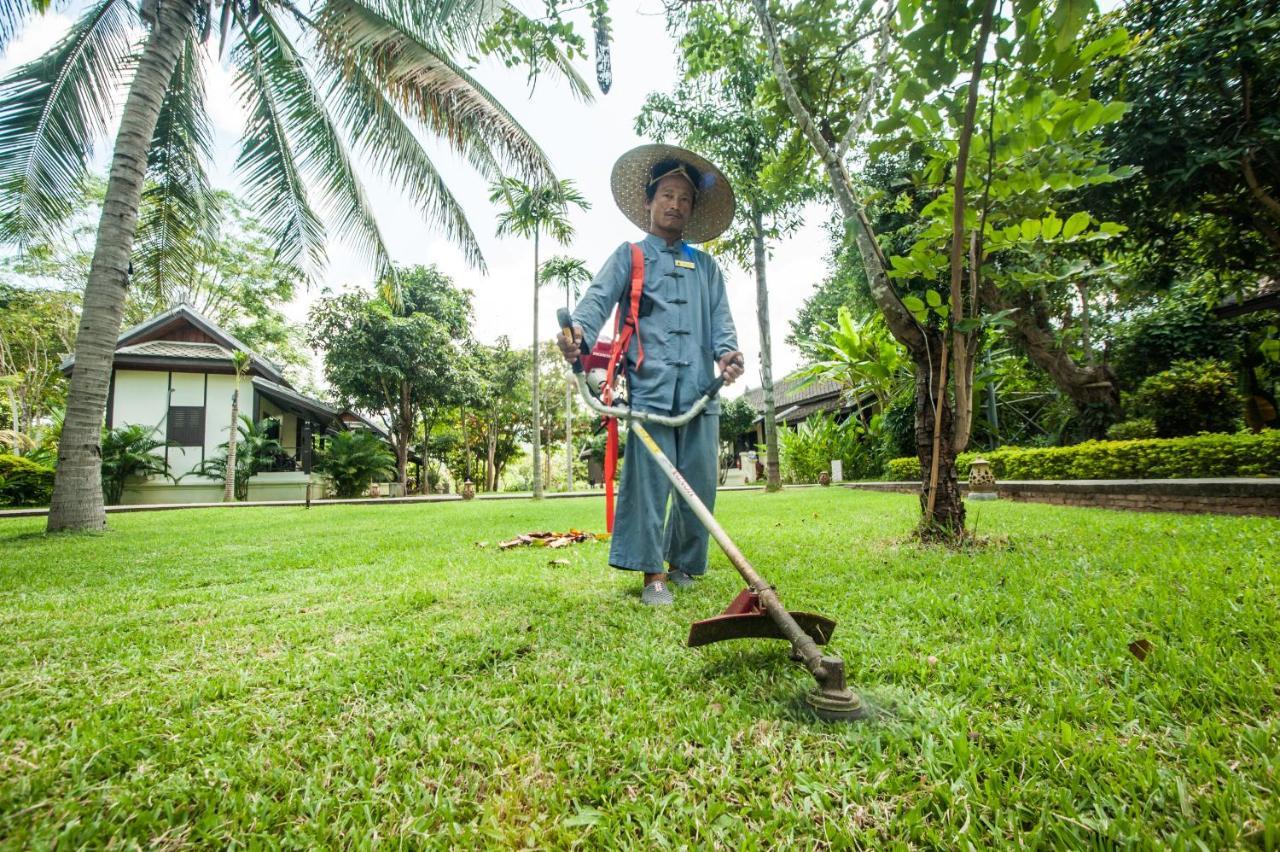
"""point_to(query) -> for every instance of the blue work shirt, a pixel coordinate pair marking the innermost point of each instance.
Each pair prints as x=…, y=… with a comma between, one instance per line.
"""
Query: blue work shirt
x=685, y=325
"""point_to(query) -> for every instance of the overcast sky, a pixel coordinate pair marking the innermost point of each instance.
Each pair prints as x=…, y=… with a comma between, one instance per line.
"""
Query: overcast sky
x=582, y=141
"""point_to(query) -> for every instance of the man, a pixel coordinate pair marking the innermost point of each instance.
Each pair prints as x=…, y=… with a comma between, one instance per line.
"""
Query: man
x=685, y=330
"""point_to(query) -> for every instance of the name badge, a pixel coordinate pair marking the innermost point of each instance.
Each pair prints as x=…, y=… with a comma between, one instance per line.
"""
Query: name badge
x=685, y=264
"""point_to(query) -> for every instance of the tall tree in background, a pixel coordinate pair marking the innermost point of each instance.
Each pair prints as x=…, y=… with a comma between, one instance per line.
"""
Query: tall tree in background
x=394, y=359
x=530, y=211
x=570, y=273
x=371, y=75
x=715, y=110
x=37, y=330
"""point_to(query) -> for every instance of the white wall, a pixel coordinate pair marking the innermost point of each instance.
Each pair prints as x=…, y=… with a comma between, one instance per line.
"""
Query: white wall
x=217, y=413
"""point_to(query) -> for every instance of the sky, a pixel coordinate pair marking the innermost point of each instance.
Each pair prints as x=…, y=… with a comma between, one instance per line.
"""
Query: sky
x=582, y=140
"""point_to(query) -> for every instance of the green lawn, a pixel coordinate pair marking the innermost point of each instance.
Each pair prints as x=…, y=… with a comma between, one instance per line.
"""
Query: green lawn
x=331, y=676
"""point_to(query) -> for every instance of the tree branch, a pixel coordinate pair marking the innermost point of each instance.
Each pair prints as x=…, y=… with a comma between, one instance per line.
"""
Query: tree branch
x=873, y=85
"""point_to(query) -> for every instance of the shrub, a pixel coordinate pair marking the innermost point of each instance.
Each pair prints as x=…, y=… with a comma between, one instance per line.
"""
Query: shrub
x=23, y=482
x=807, y=451
x=1243, y=454
x=1131, y=430
x=1190, y=397
x=128, y=451
x=353, y=460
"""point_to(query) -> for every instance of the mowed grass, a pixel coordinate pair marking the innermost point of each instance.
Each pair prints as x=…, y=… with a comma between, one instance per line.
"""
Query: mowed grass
x=353, y=674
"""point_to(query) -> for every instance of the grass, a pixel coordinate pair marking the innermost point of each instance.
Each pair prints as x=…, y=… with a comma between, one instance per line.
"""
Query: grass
x=350, y=673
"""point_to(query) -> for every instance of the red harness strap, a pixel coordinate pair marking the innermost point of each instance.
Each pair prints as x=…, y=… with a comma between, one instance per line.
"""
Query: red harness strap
x=623, y=330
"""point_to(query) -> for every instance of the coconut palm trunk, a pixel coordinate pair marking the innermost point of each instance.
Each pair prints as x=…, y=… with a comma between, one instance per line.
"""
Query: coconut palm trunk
x=773, y=478
x=77, y=491
x=229, y=481
x=537, y=422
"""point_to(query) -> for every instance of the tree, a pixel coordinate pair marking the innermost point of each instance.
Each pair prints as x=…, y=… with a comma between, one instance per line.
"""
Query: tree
x=360, y=78
x=393, y=359
x=239, y=363
x=37, y=330
x=569, y=273
x=992, y=196
x=1203, y=130
x=502, y=408
x=714, y=110
x=528, y=211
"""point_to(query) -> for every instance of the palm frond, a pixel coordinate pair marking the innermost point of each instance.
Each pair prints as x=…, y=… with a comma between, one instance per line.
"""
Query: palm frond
x=52, y=110
x=12, y=15
x=379, y=133
x=177, y=203
x=323, y=156
x=430, y=88
x=269, y=171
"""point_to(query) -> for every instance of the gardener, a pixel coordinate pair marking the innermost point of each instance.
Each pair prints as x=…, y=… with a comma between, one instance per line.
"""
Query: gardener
x=684, y=331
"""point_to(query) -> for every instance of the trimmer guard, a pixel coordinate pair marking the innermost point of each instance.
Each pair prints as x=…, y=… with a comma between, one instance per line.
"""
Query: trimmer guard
x=745, y=618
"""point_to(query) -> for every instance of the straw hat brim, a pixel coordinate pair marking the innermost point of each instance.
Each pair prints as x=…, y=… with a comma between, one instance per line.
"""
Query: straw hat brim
x=713, y=210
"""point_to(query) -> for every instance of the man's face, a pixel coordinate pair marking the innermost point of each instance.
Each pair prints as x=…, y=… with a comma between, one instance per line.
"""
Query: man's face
x=671, y=207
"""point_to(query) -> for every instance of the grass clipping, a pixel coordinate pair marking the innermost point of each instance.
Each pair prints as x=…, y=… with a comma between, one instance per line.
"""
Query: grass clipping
x=551, y=539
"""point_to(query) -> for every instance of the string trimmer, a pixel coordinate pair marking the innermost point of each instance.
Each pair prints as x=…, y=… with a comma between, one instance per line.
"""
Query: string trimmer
x=757, y=612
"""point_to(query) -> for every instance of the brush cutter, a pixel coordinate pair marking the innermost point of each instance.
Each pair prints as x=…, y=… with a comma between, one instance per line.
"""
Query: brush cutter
x=757, y=612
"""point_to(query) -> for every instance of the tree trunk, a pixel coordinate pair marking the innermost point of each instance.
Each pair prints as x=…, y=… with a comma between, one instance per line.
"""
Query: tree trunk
x=1089, y=388
x=773, y=477
x=944, y=519
x=537, y=421
x=229, y=480
x=568, y=415
x=490, y=462
x=77, y=492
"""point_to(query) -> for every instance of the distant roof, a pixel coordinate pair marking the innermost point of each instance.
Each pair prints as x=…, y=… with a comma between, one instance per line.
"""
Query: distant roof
x=788, y=392
x=1265, y=295
x=226, y=343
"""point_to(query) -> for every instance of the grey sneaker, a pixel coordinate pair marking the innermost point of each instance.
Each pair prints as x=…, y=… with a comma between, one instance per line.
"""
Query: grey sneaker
x=680, y=579
x=657, y=593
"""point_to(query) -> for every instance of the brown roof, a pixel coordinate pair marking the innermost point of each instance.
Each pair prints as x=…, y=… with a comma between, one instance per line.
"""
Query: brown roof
x=788, y=392
x=177, y=349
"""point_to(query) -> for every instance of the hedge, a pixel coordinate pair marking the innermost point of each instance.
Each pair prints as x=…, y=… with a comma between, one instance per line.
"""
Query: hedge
x=1242, y=454
x=23, y=482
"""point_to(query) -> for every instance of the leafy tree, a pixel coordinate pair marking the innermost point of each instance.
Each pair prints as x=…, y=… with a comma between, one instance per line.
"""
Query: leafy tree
x=528, y=211
x=353, y=460
x=396, y=360
x=569, y=273
x=129, y=451
x=1204, y=130
x=317, y=81
x=37, y=330
x=715, y=111
x=995, y=183
x=736, y=419
x=501, y=406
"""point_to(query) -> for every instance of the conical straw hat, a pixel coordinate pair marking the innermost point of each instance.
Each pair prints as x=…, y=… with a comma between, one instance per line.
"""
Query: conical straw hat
x=713, y=209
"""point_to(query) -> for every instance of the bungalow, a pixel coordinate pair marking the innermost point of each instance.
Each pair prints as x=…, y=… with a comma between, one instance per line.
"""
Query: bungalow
x=793, y=401
x=174, y=373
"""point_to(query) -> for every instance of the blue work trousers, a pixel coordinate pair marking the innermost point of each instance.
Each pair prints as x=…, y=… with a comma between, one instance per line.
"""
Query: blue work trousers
x=645, y=531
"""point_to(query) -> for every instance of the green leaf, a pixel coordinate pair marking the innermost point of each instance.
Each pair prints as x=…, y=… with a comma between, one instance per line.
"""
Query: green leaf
x=1050, y=227
x=913, y=304
x=1077, y=223
x=1030, y=229
x=932, y=298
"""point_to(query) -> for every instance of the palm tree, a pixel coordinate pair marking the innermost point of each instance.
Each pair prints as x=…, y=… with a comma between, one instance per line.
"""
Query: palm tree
x=319, y=80
x=530, y=210
x=568, y=272
x=240, y=363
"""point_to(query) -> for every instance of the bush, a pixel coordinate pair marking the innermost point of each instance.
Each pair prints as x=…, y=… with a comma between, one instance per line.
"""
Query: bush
x=353, y=460
x=23, y=482
x=1191, y=397
x=1132, y=430
x=807, y=451
x=1205, y=455
x=128, y=452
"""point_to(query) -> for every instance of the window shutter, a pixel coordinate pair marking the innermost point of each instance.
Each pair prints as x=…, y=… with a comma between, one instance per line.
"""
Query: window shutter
x=186, y=425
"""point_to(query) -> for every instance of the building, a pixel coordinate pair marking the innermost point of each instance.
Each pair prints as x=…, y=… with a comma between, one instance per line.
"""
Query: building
x=174, y=374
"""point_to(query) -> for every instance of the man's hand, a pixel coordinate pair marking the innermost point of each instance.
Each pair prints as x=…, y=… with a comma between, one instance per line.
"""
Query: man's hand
x=732, y=366
x=570, y=349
